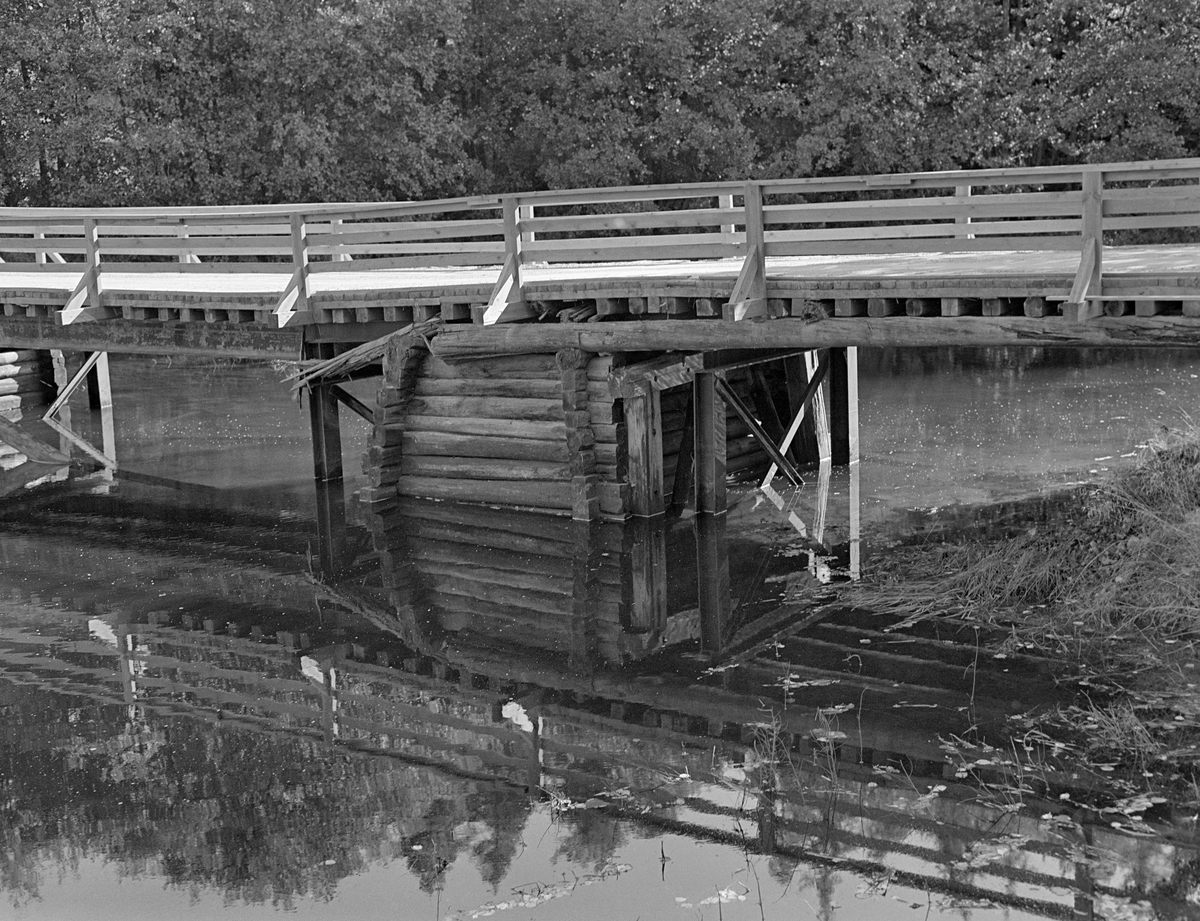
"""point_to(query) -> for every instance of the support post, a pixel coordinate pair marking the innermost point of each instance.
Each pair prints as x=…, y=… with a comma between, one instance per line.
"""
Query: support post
x=507, y=302
x=749, y=297
x=643, y=421
x=326, y=434
x=99, y=384
x=839, y=407
x=963, y=193
x=712, y=581
x=709, y=411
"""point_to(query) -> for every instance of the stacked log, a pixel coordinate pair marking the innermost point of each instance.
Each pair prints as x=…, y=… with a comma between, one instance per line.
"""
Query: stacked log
x=26, y=381
x=611, y=445
x=506, y=582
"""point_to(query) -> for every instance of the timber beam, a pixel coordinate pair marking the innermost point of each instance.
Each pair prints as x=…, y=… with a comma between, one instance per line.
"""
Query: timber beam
x=225, y=340
x=464, y=343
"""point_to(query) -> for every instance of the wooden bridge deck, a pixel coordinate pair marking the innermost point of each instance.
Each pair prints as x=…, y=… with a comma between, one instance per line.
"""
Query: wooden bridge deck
x=983, y=252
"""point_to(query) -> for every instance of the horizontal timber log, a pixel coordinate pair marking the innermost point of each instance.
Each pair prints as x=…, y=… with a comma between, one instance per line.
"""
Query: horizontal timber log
x=423, y=531
x=533, y=494
x=480, y=387
x=504, y=567
x=471, y=519
x=465, y=425
x=487, y=407
x=513, y=366
x=445, y=444
x=482, y=468
x=237, y=340
x=698, y=335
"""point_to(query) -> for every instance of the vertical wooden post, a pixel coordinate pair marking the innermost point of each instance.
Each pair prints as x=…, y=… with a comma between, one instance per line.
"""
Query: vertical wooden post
x=40, y=256
x=340, y=255
x=855, y=466
x=963, y=192
x=572, y=367
x=647, y=556
x=685, y=461
x=712, y=580
x=99, y=384
x=1093, y=226
x=525, y=213
x=709, y=411
x=326, y=434
x=724, y=202
x=91, y=240
x=643, y=422
x=755, y=231
x=804, y=447
x=300, y=262
x=839, y=407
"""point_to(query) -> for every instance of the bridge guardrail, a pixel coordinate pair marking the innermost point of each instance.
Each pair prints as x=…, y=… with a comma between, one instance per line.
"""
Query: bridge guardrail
x=1062, y=208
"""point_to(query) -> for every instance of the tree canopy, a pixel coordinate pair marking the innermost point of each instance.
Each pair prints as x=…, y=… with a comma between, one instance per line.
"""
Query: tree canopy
x=163, y=102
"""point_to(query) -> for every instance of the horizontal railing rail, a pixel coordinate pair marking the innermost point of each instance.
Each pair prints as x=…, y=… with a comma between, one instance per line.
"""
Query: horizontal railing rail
x=1058, y=208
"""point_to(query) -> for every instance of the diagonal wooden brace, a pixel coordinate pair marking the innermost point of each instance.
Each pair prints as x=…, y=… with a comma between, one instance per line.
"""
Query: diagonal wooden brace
x=809, y=392
x=506, y=302
x=728, y=395
x=1077, y=307
x=749, y=298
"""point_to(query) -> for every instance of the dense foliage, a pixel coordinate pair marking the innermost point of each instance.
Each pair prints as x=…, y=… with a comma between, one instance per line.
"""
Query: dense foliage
x=126, y=102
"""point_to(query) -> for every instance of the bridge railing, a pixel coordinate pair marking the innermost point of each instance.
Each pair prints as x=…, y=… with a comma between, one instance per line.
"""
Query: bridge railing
x=80, y=251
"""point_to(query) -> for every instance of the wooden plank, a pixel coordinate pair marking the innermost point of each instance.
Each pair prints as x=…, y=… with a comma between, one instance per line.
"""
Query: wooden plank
x=537, y=389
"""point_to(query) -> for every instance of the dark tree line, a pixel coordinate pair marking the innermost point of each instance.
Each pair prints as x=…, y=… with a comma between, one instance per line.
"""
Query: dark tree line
x=156, y=102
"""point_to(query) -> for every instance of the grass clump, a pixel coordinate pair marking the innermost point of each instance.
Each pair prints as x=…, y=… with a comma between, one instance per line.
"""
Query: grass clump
x=1111, y=590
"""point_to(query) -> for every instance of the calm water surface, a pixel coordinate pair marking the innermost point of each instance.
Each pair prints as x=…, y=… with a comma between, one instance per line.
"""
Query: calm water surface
x=496, y=714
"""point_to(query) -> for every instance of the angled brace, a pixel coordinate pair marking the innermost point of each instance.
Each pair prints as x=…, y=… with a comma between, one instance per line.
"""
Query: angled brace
x=287, y=310
x=749, y=298
x=84, y=302
x=1077, y=307
x=728, y=395
x=506, y=302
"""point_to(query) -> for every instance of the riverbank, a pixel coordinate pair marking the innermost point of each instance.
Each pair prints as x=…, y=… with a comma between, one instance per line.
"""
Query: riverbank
x=1108, y=585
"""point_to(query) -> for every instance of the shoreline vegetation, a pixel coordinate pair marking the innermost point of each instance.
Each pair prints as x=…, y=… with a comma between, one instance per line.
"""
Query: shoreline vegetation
x=1111, y=589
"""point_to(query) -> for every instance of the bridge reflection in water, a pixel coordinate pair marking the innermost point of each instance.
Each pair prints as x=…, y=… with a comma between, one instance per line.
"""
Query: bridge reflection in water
x=191, y=707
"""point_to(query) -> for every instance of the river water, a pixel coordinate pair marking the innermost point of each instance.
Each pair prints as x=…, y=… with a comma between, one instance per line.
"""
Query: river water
x=494, y=714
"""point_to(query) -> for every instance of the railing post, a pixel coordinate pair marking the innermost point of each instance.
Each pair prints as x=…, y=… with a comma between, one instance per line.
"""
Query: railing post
x=182, y=233
x=512, y=240
x=1093, y=224
x=749, y=298
x=40, y=256
x=91, y=240
x=300, y=262
x=755, y=232
x=525, y=213
x=507, y=302
x=335, y=227
x=1082, y=303
x=724, y=202
x=963, y=192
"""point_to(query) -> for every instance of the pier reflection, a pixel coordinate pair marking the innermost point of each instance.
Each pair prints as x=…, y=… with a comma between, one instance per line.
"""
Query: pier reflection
x=245, y=729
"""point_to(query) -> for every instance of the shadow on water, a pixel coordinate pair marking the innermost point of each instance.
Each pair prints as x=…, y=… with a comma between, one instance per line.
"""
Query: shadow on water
x=491, y=710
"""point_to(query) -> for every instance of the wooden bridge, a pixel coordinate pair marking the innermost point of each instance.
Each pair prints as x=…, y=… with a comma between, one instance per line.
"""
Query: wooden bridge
x=693, y=281
x=1009, y=247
